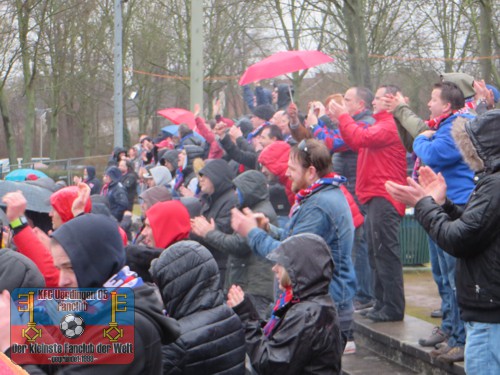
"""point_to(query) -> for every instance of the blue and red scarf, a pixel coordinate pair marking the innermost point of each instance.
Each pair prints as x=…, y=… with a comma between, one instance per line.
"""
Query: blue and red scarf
x=284, y=301
x=328, y=179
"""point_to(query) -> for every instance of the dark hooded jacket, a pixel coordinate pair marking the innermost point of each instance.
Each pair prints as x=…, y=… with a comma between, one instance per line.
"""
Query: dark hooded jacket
x=471, y=233
x=212, y=340
x=218, y=206
x=96, y=251
x=91, y=180
x=18, y=271
x=307, y=338
x=246, y=269
x=116, y=194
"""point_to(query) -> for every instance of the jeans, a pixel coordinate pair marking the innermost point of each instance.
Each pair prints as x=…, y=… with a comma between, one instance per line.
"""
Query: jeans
x=382, y=229
x=361, y=260
x=451, y=323
x=482, y=354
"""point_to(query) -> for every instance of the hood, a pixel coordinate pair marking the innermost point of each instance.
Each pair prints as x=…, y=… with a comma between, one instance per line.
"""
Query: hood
x=100, y=205
x=284, y=98
x=172, y=156
x=117, y=151
x=478, y=142
x=253, y=187
x=220, y=175
x=63, y=199
x=90, y=172
x=245, y=126
x=161, y=175
x=114, y=174
x=139, y=258
x=156, y=194
x=18, y=271
x=464, y=82
x=310, y=271
x=148, y=304
x=275, y=157
x=94, y=246
x=169, y=221
x=188, y=278
x=192, y=152
x=193, y=205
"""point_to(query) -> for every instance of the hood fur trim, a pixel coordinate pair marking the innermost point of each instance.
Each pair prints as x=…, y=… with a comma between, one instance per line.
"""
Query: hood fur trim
x=465, y=145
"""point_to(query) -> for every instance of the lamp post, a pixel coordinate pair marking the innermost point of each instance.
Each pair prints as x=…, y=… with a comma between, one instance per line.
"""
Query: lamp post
x=118, y=72
x=43, y=121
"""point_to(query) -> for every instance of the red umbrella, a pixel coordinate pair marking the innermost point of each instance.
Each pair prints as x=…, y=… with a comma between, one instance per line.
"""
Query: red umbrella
x=178, y=116
x=283, y=63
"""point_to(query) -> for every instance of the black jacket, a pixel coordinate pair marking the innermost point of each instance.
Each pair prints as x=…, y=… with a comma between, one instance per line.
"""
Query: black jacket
x=248, y=157
x=245, y=268
x=307, y=338
x=95, y=249
x=212, y=340
x=472, y=233
x=93, y=182
x=129, y=182
x=118, y=200
x=218, y=206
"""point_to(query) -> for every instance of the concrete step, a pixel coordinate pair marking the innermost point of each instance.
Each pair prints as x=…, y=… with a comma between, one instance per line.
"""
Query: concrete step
x=398, y=342
x=364, y=361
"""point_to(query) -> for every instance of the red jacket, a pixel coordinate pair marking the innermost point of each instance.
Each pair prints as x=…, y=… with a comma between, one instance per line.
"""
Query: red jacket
x=381, y=156
x=215, y=152
x=357, y=217
x=28, y=244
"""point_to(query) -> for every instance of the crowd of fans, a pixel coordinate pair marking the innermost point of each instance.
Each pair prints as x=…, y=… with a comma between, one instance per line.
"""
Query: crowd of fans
x=264, y=236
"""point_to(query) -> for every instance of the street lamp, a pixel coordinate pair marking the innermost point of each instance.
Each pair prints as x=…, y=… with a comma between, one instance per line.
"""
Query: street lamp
x=43, y=121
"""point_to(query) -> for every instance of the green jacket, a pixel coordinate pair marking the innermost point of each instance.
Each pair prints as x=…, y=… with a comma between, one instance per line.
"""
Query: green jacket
x=409, y=125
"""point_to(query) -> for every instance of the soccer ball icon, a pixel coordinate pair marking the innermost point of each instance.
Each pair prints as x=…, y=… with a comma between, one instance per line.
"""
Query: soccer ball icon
x=72, y=326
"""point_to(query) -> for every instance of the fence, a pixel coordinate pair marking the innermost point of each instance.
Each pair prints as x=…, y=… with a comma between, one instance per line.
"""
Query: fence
x=63, y=169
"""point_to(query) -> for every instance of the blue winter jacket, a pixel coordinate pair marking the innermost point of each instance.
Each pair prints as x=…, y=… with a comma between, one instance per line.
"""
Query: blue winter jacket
x=441, y=154
x=327, y=214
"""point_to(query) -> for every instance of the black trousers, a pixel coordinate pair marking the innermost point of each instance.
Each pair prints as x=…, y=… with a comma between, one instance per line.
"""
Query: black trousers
x=382, y=229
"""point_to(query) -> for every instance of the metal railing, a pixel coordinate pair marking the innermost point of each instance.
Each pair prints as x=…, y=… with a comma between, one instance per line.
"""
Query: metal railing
x=62, y=169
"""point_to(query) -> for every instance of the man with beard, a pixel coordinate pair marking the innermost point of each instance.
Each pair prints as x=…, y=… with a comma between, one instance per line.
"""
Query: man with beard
x=320, y=208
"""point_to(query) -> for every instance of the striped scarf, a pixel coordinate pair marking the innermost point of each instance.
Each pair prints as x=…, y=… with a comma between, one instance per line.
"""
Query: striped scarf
x=329, y=179
x=283, y=303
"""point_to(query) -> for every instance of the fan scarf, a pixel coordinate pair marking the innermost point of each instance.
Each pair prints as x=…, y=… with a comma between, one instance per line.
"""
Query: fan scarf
x=329, y=179
x=283, y=303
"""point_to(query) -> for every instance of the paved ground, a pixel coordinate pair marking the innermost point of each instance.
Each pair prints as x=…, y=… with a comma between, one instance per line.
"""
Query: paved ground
x=421, y=294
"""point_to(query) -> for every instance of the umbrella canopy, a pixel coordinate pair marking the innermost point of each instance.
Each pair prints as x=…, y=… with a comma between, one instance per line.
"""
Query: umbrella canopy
x=178, y=116
x=174, y=130
x=37, y=197
x=21, y=174
x=283, y=63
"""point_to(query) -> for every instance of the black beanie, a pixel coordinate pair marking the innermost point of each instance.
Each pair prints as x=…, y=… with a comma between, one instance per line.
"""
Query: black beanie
x=264, y=111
